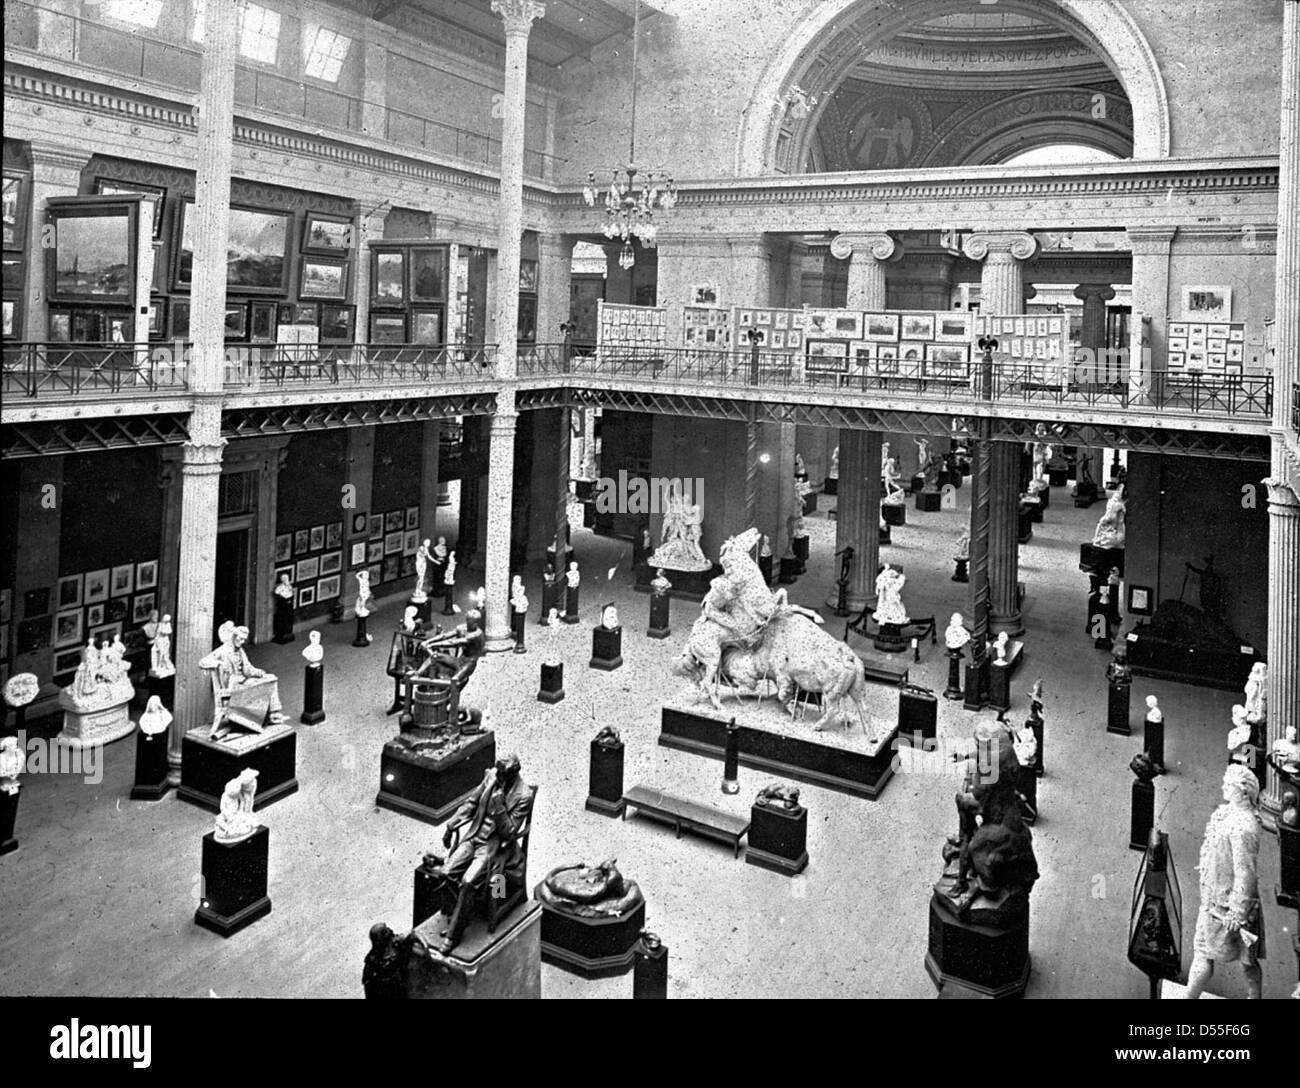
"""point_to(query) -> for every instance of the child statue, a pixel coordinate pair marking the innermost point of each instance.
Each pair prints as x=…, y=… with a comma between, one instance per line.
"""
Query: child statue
x=235, y=820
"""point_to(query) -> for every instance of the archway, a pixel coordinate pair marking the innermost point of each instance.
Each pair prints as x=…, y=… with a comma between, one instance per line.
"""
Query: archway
x=823, y=47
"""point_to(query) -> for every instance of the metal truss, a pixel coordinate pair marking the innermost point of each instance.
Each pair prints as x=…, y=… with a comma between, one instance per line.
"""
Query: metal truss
x=294, y=419
x=48, y=439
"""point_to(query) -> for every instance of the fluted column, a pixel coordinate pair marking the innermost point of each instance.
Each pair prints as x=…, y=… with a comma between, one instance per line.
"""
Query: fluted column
x=1002, y=294
x=518, y=17
x=1092, y=338
x=1284, y=506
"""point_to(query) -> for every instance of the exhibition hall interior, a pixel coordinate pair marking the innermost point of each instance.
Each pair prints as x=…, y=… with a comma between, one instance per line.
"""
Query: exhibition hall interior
x=651, y=499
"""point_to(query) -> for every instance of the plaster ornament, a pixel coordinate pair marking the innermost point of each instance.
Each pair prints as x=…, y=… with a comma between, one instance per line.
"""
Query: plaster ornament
x=956, y=637
x=889, y=599
x=313, y=653
x=235, y=819
x=156, y=717
x=362, y=607
x=679, y=547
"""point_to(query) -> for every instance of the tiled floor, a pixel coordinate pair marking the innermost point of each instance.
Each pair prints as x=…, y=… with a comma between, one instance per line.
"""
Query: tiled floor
x=101, y=896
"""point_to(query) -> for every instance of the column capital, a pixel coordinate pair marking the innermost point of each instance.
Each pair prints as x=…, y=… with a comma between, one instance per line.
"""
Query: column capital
x=1281, y=497
x=1018, y=244
x=58, y=156
x=1086, y=291
x=518, y=15
x=1151, y=240
x=879, y=244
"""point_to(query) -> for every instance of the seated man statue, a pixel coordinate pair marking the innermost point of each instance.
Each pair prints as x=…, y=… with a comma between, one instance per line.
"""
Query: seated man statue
x=253, y=694
x=489, y=822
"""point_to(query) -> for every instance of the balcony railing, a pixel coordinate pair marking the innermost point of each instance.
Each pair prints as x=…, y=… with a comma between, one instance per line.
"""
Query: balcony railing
x=1233, y=396
x=51, y=371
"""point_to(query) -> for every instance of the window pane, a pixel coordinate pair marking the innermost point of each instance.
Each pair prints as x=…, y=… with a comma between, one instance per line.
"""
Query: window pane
x=140, y=12
x=260, y=33
x=326, y=53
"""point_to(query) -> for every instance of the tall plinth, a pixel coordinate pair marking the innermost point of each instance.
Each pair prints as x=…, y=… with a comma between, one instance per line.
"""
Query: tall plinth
x=503, y=965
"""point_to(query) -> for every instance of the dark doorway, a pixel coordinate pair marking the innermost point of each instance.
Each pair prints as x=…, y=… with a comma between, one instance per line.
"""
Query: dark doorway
x=230, y=602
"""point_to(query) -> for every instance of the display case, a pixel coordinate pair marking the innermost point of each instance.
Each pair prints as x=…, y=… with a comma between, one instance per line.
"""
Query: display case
x=1155, y=931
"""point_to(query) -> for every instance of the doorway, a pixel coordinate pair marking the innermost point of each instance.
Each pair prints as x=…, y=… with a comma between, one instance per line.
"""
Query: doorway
x=230, y=599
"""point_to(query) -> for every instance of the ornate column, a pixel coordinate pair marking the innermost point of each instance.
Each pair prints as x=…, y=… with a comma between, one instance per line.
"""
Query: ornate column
x=867, y=255
x=56, y=171
x=201, y=457
x=1092, y=338
x=1002, y=293
x=518, y=16
x=1284, y=505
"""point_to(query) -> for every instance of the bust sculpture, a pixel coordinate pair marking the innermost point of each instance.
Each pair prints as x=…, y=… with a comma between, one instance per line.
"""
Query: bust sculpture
x=573, y=576
x=1257, y=694
x=597, y=891
x=156, y=717
x=1000, y=645
x=1287, y=752
x=659, y=584
x=518, y=598
x=609, y=617
x=1145, y=769
x=956, y=637
x=381, y=974
x=12, y=764
x=1110, y=529
x=799, y=469
x=1239, y=736
x=284, y=587
x=235, y=820
x=778, y=796
x=889, y=600
x=313, y=653
x=608, y=737
x=362, y=607
x=1154, y=713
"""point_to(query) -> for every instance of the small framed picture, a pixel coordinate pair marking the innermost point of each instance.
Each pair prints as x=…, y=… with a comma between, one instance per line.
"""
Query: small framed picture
x=376, y=527
x=848, y=325
x=143, y=604
x=412, y=517
x=393, y=543
x=157, y=318
x=1236, y=333
x=67, y=628
x=122, y=581
x=392, y=567
x=327, y=588
x=236, y=321
x=307, y=570
x=94, y=615
x=1201, y=303
x=704, y=294
x=1178, y=343
x=778, y=339
x=393, y=521
x=918, y=327
x=794, y=340
x=68, y=594
x=306, y=596
x=359, y=522
x=764, y=317
x=317, y=538
x=67, y=661
x=375, y=551
x=326, y=233
x=1176, y=360
x=410, y=541
x=338, y=323
x=746, y=318
x=376, y=573
x=115, y=609
x=1178, y=328
x=261, y=322
x=6, y=605
x=912, y=354
x=301, y=541
x=358, y=558
x=953, y=328
x=1139, y=600
x=782, y=320
x=331, y=562
x=283, y=547
x=333, y=534
x=1236, y=352
x=323, y=277
x=146, y=575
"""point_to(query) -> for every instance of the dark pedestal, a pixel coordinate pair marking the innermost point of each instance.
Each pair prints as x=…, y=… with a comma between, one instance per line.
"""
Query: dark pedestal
x=916, y=484
x=483, y=966
x=426, y=900
x=1151, y=655
x=150, y=767
x=313, y=695
x=890, y=640
x=789, y=571
x=552, y=598
x=962, y=571
x=206, y=766
x=1118, y=700
x=1085, y=494
x=1153, y=740
x=361, y=638
x=282, y=620
x=1035, y=511
x=1142, y=814
x=650, y=972
x=8, y=815
x=552, y=689
x=918, y=714
x=1036, y=724
x=894, y=514
x=953, y=690
x=423, y=609
x=165, y=688
x=591, y=947
x=1025, y=525
x=1044, y=497
x=518, y=627
x=809, y=503
x=778, y=838
x=429, y=787
x=1000, y=686
x=659, y=606
x=800, y=547
x=977, y=685
x=605, y=779
x=448, y=598
x=571, y=603
x=606, y=648
x=731, y=759
x=966, y=959
x=1058, y=477
x=929, y=502
x=1027, y=784
x=1099, y=561
x=886, y=536
x=234, y=882
x=765, y=568
x=831, y=486
x=1288, y=885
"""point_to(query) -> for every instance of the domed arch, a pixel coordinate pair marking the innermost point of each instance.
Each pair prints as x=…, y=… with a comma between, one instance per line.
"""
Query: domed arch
x=823, y=47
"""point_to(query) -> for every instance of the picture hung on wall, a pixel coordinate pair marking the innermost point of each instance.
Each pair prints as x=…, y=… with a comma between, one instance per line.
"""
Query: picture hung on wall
x=528, y=277
x=324, y=233
x=157, y=318
x=115, y=608
x=255, y=250
x=393, y=521
x=704, y=294
x=4, y=641
x=1202, y=303
x=105, y=633
x=36, y=602
x=323, y=277
x=236, y=327
x=358, y=554
x=388, y=277
x=1177, y=328
x=158, y=282
x=11, y=210
x=333, y=534
x=307, y=570
x=180, y=329
x=261, y=323
x=881, y=328
x=392, y=567
x=153, y=193
x=794, y=339
x=123, y=580
x=34, y=634
x=338, y=323
x=375, y=551
x=410, y=542
x=1139, y=600
x=300, y=542
x=327, y=588
x=412, y=517
x=911, y=355
x=393, y=543
x=317, y=538
x=388, y=328
x=93, y=256
x=68, y=592
x=917, y=327
x=954, y=328
x=331, y=562
x=67, y=628
x=94, y=615
x=824, y=355
x=305, y=313
x=426, y=327
x=143, y=604
x=306, y=596
x=6, y=605
x=408, y=565
x=527, y=327
x=67, y=661
x=376, y=571
x=286, y=571
x=376, y=527
x=359, y=522
x=429, y=274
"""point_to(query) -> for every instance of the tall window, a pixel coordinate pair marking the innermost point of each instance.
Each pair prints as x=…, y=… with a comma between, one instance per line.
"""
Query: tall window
x=140, y=12
x=259, y=33
x=325, y=54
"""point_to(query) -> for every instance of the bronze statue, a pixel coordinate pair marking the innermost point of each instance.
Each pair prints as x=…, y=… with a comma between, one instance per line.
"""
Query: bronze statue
x=381, y=977
x=590, y=892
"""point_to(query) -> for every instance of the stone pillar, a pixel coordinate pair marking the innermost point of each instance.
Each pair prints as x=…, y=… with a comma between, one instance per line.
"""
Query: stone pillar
x=1148, y=327
x=430, y=487
x=866, y=254
x=1092, y=338
x=1284, y=505
x=554, y=273
x=372, y=230
x=518, y=17
x=1002, y=294
x=374, y=115
x=201, y=457
x=56, y=171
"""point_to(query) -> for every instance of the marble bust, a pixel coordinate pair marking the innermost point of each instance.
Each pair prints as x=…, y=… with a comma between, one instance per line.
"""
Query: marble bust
x=313, y=653
x=609, y=617
x=956, y=637
x=1287, y=751
x=660, y=584
x=284, y=587
x=1154, y=713
x=156, y=717
x=573, y=576
x=235, y=819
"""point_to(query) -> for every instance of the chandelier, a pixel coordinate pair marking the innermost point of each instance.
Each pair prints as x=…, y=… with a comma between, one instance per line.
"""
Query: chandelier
x=629, y=210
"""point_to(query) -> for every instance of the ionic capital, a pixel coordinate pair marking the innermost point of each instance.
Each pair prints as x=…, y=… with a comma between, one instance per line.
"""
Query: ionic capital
x=1017, y=244
x=879, y=245
x=1086, y=291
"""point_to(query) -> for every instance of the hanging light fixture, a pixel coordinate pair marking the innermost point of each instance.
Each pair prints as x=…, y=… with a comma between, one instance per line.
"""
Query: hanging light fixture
x=629, y=211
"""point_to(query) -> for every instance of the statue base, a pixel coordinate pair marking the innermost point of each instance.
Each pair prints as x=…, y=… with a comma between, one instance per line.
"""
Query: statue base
x=659, y=605
x=1119, y=699
x=552, y=686
x=313, y=695
x=430, y=787
x=606, y=648
x=1099, y=562
x=8, y=817
x=593, y=947
x=1024, y=524
x=1151, y=655
x=207, y=765
x=165, y=688
x=234, y=882
x=423, y=609
x=831, y=486
x=789, y=572
x=102, y=724
x=490, y=966
x=778, y=839
x=918, y=714
x=776, y=744
x=1288, y=846
x=961, y=573
x=1142, y=815
x=890, y=639
x=150, y=767
x=929, y=502
x=969, y=959
x=893, y=514
x=605, y=780
x=953, y=690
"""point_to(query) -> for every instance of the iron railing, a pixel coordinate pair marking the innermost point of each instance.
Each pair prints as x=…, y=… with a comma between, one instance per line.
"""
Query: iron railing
x=56, y=370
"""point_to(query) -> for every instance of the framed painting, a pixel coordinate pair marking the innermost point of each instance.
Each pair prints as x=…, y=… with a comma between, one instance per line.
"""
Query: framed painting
x=34, y=634
x=1207, y=303
x=388, y=328
x=122, y=581
x=376, y=573
x=67, y=661
x=157, y=318
x=67, y=593
x=96, y=586
x=917, y=327
x=393, y=520
x=331, y=562
x=1139, y=600
x=359, y=523
x=387, y=277
x=429, y=274
x=954, y=328
x=301, y=542
x=333, y=534
x=92, y=258
x=412, y=517
x=322, y=233
x=306, y=596
x=376, y=527
x=154, y=194
x=358, y=556
x=115, y=609
x=13, y=209
x=375, y=551
x=256, y=243
x=142, y=605
x=338, y=323
x=323, y=277
x=106, y=633
x=327, y=588
x=426, y=326
x=317, y=538
x=881, y=328
x=236, y=327
x=307, y=570
x=410, y=541
x=94, y=615
x=393, y=543
x=261, y=322
x=392, y=567
x=67, y=628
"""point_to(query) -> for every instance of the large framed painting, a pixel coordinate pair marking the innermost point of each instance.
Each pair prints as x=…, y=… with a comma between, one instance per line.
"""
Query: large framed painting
x=92, y=258
x=256, y=245
x=13, y=208
x=323, y=277
x=323, y=233
x=153, y=193
x=337, y=323
x=388, y=277
x=1202, y=303
x=429, y=273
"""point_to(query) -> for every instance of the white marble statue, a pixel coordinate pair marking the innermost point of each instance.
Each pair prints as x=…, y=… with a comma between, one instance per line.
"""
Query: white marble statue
x=609, y=617
x=894, y=493
x=765, y=546
x=160, y=649
x=86, y=681
x=660, y=584
x=889, y=597
x=101, y=679
x=679, y=547
x=235, y=820
x=922, y=453
x=362, y=607
x=1154, y=713
x=313, y=653
x=1110, y=529
x=410, y=619
x=834, y=472
x=963, y=547
x=573, y=576
x=479, y=597
x=1239, y=735
x=1287, y=751
x=12, y=764
x=284, y=587
x=884, y=457
x=1042, y=452
x=449, y=576
x=800, y=469
x=553, y=616
x=1024, y=744
x=422, y=556
x=1000, y=645
x=956, y=637
x=518, y=598
x=156, y=717
x=1257, y=694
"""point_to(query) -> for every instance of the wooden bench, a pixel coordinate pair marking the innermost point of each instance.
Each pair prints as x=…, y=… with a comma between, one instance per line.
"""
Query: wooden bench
x=689, y=815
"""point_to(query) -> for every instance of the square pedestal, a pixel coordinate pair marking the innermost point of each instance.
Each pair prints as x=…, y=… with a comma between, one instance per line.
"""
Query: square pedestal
x=1000, y=686
x=425, y=900
x=1288, y=887
x=430, y=786
x=790, y=569
x=206, y=765
x=150, y=767
x=101, y=726
x=1099, y=561
x=1118, y=702
x=590, y=947
x=831, y=486
x=605, y=780
x=778, y=838
x=1142, y=814
x=552, y=689
x=503, y=965
x=893, y=514
x=1025, y=525
x=234, y=882
x=8, y=817
x=650, y=972
x=928, y=502
x=969, y=960
x=606, y=648
x=918, y=714
x=659, y=605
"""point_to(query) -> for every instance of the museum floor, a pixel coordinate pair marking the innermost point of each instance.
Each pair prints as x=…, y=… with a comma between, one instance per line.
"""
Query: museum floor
x=100, y=898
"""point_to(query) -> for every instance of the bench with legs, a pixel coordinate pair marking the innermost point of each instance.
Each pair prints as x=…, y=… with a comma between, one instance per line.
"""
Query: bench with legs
x=688, y=815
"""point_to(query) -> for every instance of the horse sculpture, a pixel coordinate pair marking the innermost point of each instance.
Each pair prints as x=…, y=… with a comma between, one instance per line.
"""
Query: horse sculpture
x=746, y=636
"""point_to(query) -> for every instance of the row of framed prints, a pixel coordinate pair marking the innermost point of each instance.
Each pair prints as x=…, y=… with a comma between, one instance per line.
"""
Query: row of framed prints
x=911, y=358
x=621, y=326
x=96, y=604
x=1196, y=346
x=304, y=541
